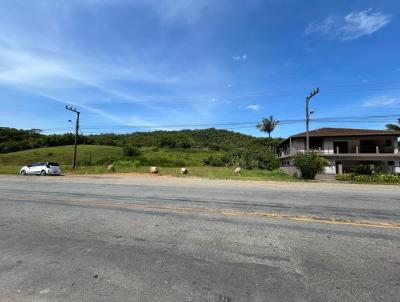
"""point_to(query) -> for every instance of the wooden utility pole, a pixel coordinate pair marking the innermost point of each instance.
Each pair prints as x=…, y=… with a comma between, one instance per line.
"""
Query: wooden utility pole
x=314, y=92
x=76, y=132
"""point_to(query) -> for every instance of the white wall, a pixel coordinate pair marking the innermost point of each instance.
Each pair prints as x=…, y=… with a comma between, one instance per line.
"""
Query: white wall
x=330, y=169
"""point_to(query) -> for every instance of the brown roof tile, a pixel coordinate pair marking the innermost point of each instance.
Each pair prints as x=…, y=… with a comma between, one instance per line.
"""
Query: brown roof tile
x=342, y=132
x=330, y=132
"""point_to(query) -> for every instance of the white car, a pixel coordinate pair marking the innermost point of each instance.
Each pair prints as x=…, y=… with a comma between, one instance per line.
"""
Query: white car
x=41, y=168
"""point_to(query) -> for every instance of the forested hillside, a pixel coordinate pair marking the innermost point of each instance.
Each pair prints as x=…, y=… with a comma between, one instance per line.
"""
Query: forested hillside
x=12, y=140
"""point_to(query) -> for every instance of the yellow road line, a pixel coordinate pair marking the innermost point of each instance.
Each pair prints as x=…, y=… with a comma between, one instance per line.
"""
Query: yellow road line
x=224, y=212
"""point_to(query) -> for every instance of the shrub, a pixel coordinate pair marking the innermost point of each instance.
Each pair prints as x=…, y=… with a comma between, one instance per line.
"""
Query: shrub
x=374, y=178
x=131, y=151
x=216, y=161
x=309, y=164
x=345, y=177
x=363, y=169
x=254, y=157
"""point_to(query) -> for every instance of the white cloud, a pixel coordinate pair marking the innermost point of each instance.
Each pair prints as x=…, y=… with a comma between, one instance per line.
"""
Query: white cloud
x=382, y=101
x=350, y=27
x=254, y=107
x=242, y=57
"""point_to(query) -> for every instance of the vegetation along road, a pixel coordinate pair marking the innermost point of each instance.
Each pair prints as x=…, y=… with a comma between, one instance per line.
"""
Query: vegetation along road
x=146, y=238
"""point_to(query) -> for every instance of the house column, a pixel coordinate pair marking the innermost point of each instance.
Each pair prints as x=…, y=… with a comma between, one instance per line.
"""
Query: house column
x=340, y=168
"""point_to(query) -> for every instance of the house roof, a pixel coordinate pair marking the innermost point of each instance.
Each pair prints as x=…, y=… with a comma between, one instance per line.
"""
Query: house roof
x=343, y=132
x=330, y=132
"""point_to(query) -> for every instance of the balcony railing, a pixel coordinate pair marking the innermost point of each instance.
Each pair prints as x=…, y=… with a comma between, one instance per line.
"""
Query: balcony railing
x=336, y=151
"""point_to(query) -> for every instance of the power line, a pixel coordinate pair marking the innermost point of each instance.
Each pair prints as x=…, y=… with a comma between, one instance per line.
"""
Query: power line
x=249, y=124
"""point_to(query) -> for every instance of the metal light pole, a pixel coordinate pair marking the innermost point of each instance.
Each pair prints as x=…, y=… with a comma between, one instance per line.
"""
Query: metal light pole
x=76, y=132
x=314, y=92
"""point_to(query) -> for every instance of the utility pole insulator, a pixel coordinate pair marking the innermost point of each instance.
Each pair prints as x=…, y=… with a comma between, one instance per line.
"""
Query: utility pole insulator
x=76, y=132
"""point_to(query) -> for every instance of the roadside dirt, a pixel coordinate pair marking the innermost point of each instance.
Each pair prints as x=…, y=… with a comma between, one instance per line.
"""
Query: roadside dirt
x=190, y=181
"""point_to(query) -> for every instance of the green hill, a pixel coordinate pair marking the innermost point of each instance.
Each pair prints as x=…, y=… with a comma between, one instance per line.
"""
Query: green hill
x=62, y=154
x=92, y=154
x=13, y=140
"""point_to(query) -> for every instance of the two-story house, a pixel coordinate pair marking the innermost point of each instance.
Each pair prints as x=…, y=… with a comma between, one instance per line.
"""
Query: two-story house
x=346, y=148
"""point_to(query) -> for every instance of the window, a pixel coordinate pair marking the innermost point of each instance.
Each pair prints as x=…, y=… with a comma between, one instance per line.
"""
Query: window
x=391, y=163
x=388, y=143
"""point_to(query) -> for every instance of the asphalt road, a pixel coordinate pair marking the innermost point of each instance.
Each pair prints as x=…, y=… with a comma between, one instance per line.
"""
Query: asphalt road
x=131, y=238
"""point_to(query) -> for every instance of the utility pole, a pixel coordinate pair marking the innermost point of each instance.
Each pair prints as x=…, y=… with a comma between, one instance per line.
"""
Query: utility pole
x=76, y=132
x=314, y=92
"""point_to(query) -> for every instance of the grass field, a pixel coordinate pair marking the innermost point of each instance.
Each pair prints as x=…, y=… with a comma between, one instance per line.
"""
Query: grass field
x=169, y=161
x=203, y=172
x=63, y=154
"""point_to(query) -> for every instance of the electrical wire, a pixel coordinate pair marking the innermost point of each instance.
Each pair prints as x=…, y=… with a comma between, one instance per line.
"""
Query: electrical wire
x=237, y=125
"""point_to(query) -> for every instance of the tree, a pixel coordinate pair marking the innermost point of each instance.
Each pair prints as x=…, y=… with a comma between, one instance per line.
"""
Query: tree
x=393, y=127
x=268, y=125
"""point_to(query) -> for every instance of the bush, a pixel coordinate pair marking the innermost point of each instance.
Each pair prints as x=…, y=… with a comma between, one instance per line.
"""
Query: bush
x=363, y=169
x=309, y=164
x=216, y=161
x=345, y=177
x=254, y=157
x=131, y=151
x=374, y=178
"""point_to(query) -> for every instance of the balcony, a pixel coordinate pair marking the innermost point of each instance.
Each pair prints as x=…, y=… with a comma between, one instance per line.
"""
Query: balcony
x=355, y=153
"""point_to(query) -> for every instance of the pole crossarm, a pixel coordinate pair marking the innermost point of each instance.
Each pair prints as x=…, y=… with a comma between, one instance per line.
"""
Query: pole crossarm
x=72, y=109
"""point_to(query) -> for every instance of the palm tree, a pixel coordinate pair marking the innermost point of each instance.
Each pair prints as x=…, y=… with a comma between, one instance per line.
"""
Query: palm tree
x=268, y=125
x=393, y=127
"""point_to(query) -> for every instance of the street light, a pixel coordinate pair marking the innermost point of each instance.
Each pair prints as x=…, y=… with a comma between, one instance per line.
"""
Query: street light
x=308, y=113
x=76, y=131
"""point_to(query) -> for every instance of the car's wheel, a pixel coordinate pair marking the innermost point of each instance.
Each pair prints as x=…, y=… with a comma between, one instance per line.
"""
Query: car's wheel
x=43, y=173
x=23, y=172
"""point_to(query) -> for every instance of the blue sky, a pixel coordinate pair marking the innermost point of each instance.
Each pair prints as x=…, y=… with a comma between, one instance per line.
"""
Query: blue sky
x=158, y=63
